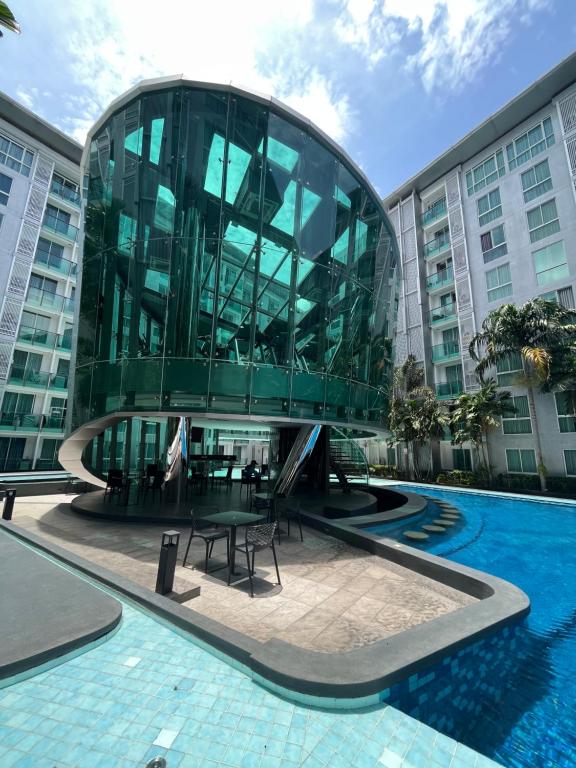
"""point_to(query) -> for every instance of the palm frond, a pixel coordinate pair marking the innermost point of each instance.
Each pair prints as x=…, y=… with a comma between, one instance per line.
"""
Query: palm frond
x=7, y=19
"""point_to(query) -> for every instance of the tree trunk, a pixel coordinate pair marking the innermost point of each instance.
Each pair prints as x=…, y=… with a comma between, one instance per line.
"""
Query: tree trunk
x=537, y=444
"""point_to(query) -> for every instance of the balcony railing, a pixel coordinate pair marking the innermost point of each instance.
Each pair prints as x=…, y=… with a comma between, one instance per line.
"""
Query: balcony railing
x=446, y=351
x=56, y=263
x=65, y=193
x=60, y=227
x=437, y=246
x=437, y=211
x=442, y=278
x=48, y=300
x=21, y=421
x=440, y=314
x=25, y=377
x=65, y=341
x=449, y=390
x=37, y=337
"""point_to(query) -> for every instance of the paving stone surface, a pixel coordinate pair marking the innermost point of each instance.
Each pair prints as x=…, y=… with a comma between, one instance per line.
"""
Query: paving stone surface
x=333, y=597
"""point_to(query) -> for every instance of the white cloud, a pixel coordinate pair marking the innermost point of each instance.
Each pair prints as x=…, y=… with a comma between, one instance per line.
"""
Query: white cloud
x=457, y=38
x=114, y=45
x=27, y=96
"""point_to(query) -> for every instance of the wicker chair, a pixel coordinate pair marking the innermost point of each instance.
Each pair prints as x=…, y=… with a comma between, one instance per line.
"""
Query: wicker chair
x=207, y=536
x=258, y=537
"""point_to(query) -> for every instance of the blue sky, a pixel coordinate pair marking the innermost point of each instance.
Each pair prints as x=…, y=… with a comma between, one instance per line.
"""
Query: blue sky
x=396, y=82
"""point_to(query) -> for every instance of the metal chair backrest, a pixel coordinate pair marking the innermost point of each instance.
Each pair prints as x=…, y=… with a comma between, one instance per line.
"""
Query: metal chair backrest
x=195, y=510
x=261, y=536
x=262, y=503
x=229, y=471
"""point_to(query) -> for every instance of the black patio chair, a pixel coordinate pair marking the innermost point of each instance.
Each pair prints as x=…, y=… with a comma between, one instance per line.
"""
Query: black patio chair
x=154, y=483
x=208, y=536
x=114, y=483
x=289, y=510
x=258, y=537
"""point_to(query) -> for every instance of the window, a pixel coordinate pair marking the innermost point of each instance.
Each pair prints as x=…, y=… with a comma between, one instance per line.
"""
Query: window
x=570, y=461
x=499, y=283
x=566, y=409
x=485, y=173
x=57, y=219
x=550, y=263
x=462, y=459
x=48, y=458
x=42, y=283
x=536, y=181
x=530, y=144
x=65, y=189
x=563, y=296
x=14, y=156
x=493, y=244
x=521, y=460
x=518, y=423
x=5, y=186
x=1, y=219
x=508, y=369
x=489, y=207
x=543, y=221
x=51, y=254
x=15, y=403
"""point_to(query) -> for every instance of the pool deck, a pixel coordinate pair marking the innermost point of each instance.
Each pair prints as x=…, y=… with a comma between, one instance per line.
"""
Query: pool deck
x=334, y=597
x=46, y=612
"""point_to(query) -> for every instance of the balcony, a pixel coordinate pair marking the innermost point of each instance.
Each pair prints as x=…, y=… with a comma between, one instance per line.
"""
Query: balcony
x=449, y=390
x=55, y=302
x=442, y=279
x=21, y=422
x=443, y=314
x=54, y=423
x=436, y=247
x=37, y=337
x=446, y=351
x=65, y=193
x=54, y=263
x=65, y=341
x=435, y=213
x=67, y=231
x=25, y=377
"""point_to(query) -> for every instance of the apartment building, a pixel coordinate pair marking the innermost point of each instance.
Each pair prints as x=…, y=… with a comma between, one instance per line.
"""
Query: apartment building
x=492, y=221
x=40, y=211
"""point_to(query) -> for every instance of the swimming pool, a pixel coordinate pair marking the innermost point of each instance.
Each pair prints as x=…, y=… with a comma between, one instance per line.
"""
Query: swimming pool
x=533, y=545
x=148, y=691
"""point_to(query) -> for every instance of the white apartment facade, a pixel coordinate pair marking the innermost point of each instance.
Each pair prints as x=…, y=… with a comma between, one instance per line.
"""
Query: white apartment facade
x=40, y=214
x=493, y=221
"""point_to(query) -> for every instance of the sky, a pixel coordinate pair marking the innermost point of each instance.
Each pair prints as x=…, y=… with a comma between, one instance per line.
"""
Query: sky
x=394, y=82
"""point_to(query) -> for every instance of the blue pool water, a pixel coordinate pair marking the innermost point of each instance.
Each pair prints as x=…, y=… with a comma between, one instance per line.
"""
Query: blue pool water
x=533, y=545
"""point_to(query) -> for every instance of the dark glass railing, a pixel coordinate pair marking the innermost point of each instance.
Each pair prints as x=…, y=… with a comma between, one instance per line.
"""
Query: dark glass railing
x=435, y=247
x=445, y=312
x=445, y=351
x=442, y=277
x=26, y=377
x=57, y=263
x=437, y=211
x=60, y=227
x=37, y=337
x=449, y=389
x=31, y=421
x=65, y=193
x=48, y=300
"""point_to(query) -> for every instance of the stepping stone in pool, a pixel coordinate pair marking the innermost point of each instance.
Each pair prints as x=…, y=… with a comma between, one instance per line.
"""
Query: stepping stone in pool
x=451, y=515
x=434, y=528
x=444, y=521
x=416, y=535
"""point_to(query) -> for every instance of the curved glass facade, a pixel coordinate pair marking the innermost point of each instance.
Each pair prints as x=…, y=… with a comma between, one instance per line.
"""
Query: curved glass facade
x=234, y=263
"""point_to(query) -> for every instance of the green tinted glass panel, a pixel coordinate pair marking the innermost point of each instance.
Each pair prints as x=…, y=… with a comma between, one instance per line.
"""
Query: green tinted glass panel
x=164, y=214
x=238, y=162
x=279, y=153
x=156, y=133
x=215, y=166
x=133, y=141
x=284, y=219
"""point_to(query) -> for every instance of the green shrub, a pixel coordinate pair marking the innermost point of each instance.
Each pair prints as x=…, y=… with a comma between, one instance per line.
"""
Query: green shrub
x=457, y=477
x=564, y=485
x=518, y=482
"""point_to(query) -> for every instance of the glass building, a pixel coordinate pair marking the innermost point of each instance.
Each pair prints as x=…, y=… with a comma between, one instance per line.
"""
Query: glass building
x=237, y=267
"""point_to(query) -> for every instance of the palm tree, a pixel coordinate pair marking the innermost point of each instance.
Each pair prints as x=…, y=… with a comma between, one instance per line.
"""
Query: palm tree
x=7, y=19
x=539, y=331
x=416, y=416
x=475, y=414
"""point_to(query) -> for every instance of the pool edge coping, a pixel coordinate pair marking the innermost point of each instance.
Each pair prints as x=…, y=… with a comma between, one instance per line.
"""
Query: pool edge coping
x=356, y=674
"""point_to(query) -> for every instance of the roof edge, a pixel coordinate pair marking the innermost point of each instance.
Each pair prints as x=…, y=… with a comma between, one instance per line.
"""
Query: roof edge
x=27, y=121
x=516, y=111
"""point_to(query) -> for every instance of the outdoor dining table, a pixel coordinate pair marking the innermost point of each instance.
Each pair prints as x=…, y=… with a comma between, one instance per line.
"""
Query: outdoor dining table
x=233, y=520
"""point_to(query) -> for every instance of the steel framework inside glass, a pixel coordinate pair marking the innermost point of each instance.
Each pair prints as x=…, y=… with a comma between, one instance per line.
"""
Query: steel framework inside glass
x=235, y=262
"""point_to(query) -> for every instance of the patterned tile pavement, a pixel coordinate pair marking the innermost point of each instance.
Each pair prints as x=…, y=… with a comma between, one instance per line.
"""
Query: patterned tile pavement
x=149, y=692
x=334, y=597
